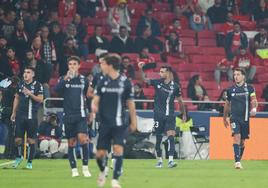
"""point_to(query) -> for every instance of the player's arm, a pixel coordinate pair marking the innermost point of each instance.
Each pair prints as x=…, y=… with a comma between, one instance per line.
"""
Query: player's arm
x=39, y=97
x=182, y=108
x=225, y=113
x=132, y=113
x=15, y=107
x=95, y=104
x=143, y=75
x=254, y=103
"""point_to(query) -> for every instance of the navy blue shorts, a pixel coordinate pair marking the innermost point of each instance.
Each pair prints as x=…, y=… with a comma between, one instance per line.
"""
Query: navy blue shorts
x=240, y=127
x=74, y=125
x=109, y=135
x=25, y=125
x=164, y=124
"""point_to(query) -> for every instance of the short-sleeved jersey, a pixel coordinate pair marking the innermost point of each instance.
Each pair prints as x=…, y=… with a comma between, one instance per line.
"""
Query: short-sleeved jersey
x=96, y=79
x=73, y=91
x=113, y=98
x=164, y=97
x=240, y=98
x=28, y=107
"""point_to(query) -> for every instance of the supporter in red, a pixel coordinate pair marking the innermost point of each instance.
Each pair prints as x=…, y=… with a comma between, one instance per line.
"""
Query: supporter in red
x=224, y=66
x=224, y=29
x=234, y=41
x=67, y=8
x=173, y=45
x=147, y=59
x=246, y=61
x=174, y=27
x=11, y=64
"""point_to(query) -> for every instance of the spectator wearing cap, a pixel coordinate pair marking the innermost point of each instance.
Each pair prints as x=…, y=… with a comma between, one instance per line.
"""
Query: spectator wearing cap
x=119, y=16
x=122, y=43
x=148, y=21
x=234, y=41
x=98, y=41
x=245, y=61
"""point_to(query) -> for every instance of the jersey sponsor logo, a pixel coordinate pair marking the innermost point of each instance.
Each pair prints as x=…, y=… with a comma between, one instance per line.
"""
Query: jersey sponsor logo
x=240, y=94
x=74, y=85
x=112, y=90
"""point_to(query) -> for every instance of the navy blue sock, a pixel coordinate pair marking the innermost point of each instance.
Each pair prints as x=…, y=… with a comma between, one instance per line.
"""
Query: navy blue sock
x=236, y=152
x=84, y=155
x=171, y=146
x=118, y=166
x=101, y=163
x=90, y=150
x=19, y=151
x=72, y=156
x=242, y=148
x=31, y=153
x=158, y=145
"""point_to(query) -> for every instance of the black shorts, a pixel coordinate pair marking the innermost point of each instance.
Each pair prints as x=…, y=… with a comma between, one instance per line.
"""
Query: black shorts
x=74, y=125
x=23, y=125
x=164, y=124
x=240, y=127
x=109, y=135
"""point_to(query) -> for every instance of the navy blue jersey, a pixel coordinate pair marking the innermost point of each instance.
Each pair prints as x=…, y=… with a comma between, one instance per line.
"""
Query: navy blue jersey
x=73, y=91
x=96, y=79
x=28, y=107
x=164, y=97
x=240, y=98
x=113, y=97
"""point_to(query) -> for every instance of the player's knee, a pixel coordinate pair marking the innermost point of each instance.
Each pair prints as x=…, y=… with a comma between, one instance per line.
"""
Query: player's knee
x=72, y=142
x=171, y=133
x=18, y=141
x=101, y=153
x=83, y=138
x=31, y=140
x=118, y=150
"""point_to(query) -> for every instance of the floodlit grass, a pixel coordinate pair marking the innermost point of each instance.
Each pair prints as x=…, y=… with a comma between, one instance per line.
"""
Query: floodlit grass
x=141, y=174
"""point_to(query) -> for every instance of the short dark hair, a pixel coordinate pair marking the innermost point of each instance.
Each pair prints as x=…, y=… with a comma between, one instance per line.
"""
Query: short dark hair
x=168, y=68
x=243, y=72
x=114, y=60
x=237, y=23
x=30, y=67
x=73, y=58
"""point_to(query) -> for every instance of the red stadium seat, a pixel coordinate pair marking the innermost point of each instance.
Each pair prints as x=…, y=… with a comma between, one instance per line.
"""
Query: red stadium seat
x=149, y=92
x=187, y=41
x=152, y=75
x=213, y=51
x=85, y=67
x=207, y=42
x=160, y=7
x=206, y=34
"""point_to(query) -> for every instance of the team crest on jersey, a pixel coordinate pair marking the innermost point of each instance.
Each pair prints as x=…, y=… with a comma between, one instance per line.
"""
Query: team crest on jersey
x=106, y=83
x=233, y=94
x=67, y=85
x=32, y=87
x=82, y=80
x=158, y=86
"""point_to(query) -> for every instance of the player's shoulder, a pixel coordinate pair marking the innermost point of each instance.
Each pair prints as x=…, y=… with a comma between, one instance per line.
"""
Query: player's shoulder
x=250, y=86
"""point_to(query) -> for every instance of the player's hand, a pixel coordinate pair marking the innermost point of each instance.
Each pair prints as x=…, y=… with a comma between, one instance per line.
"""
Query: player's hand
x=141, y=64
x=12, y=117
x=91, y=117
x=226, y=123
x=253, y=112
x=26, y=91
x=132, y=127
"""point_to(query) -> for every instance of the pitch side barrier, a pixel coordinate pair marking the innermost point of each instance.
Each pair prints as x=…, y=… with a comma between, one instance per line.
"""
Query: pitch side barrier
x=200, y=118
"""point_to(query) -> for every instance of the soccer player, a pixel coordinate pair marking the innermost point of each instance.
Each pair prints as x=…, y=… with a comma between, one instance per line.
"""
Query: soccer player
x=73, y=87
x=240, y=98
x=166, y=91
x=29, y=95
x=112, y=94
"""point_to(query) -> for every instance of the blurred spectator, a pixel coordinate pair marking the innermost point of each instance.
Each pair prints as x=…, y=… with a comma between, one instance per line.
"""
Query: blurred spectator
x=148, y=40
x=7, y=25
x=69, y=49
x=49, y=135
x=122, y=43
x=87, y=8
x=147, y=59
x=225, y=28
x=13, y=63
x=97, y=41
x=3, y=129
x=19, y=40
x=217, y=13
x=224, y=66
x=205, y=4
x=173, y=45
x=67, y=8
x=196, y=91
x=246, y=61
x=148, y=21
x=81, y=35
x=174, y=27
x=232, y=6
x=248, y=6
x=261, y=13
x=265, y=97
x=199, y=21
x=138, y=94
x=119, y=16
x=3, y=46
x=41, y=70
x=220, y=106
x=261, y=40
x=23, y=9
x=234, y=41
x=52, y=17
x=127, y=68
x=2, y=14
x=32, y=23
x=184, y=7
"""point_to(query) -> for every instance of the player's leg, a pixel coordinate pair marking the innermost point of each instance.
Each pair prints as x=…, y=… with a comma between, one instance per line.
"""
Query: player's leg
x=170, y=131
x=236, y=132
x=83, y=140
x=31, y=135
x=244, y=135
x=19, y=134
x=242, y=148
x=103, y=145
x=158, y=126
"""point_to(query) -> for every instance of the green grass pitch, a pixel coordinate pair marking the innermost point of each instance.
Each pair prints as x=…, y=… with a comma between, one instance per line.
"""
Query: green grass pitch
x=141, y=174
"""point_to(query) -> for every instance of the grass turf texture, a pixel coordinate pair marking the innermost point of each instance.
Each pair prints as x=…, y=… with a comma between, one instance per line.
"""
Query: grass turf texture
x=140, y=174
